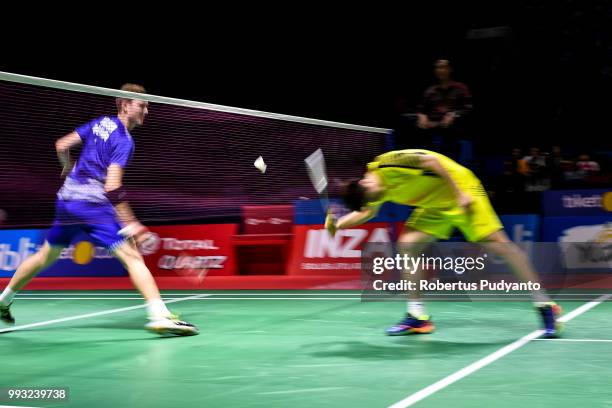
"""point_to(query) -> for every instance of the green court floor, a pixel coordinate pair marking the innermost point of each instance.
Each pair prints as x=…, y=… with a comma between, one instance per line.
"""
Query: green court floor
x=301, y=349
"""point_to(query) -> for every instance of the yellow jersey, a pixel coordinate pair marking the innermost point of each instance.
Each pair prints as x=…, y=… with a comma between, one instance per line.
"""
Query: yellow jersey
x=406, y=183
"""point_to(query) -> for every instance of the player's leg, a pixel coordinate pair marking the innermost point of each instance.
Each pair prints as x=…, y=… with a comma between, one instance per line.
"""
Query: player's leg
x=423, y=228
x=104, y=229
x=29, y=268
x=519, y=263
x=57, y=239
x=499, y=243
x=33, y=265
x=140, y=275
x=483, y=225
x=161, y=320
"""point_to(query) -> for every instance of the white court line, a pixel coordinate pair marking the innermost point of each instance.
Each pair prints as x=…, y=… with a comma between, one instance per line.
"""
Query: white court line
x=16, y=406
x=500, y=294
x=364, y=295
x=198, y=297
x=85, y=316
x=200, y=293
x=464, y=372
x=580, y=340
x=92, y=298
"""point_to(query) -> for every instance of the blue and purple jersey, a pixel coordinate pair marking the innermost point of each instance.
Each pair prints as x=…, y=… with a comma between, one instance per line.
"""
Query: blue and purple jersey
x=106, y=141
x=82, y=205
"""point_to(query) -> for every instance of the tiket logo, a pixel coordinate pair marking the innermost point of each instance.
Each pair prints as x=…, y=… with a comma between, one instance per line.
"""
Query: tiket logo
x=579, y=201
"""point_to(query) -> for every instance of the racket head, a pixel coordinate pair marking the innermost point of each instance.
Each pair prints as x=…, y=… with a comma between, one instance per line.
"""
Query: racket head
x=315, y=165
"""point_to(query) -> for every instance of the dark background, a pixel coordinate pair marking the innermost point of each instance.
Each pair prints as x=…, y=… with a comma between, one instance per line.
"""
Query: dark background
x=546, y=80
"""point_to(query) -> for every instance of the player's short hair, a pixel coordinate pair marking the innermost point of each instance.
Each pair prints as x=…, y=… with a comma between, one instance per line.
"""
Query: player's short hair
x=129, y=88
x=354, y=195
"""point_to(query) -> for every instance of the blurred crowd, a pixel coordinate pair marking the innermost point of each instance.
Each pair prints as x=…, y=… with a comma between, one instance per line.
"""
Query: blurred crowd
x=442, y=122
x=540, y=171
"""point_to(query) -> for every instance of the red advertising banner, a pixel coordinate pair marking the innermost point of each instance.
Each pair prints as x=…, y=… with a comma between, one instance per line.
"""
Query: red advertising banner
x=178, y=249
x=315, y=252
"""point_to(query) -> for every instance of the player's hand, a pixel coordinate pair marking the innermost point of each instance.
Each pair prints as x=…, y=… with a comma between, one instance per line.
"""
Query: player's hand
x=465, y=202
x=330, y=224
x=67, y=169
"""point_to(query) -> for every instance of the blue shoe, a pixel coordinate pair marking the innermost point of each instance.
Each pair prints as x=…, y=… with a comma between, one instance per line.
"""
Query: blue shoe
x=550, y=313
x=412, y=325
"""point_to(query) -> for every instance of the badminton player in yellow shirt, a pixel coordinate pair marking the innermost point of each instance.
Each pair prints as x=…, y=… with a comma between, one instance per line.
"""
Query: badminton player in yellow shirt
x=446, y=196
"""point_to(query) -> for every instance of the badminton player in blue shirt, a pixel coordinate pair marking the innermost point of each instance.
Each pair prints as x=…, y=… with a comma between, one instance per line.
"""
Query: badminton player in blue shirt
x=93, y=200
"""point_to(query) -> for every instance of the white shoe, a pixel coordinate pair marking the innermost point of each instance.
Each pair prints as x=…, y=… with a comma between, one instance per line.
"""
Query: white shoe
x=171, y=325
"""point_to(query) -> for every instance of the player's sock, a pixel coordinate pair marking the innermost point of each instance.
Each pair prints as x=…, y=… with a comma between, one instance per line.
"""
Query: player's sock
x=540, y=297
x=416, y=308
x=157, y=309
x=7, y=296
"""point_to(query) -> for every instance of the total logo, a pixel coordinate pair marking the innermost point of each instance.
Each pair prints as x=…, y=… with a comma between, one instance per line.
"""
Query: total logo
x=154, y=243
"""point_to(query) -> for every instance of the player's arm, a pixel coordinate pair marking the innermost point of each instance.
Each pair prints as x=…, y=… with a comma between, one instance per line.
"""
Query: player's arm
x=350, y=220
x=355, y=218
x=118, y=197
x=62, y=147
x=431, y=163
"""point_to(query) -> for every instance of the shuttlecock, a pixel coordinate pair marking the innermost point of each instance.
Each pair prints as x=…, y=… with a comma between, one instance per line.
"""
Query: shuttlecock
x=261, y=166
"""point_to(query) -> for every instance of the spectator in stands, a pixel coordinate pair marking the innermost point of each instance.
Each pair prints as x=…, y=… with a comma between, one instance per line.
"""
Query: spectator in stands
x=537, y=177
x=440, y=121
x=554, y=164
x=515, y=171
x=572, y=177
x=587, y=165
x=535, y=160
x=590, y=170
